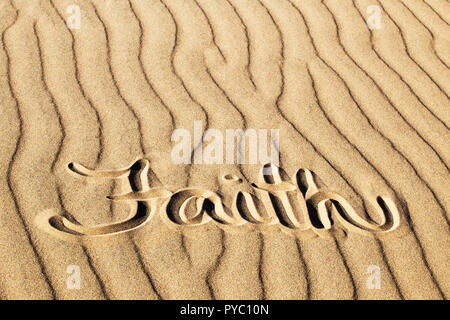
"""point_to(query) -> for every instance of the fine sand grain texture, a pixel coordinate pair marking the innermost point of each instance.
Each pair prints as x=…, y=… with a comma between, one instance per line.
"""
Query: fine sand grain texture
x=365, y=108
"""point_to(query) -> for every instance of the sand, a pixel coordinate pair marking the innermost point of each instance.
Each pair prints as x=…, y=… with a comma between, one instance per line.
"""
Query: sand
x=365, y=109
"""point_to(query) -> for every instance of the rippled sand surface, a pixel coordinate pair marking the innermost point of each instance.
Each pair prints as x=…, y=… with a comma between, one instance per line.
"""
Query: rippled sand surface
x=367, y=110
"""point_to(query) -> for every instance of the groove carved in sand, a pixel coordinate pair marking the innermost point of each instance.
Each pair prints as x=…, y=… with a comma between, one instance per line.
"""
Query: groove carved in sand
x=64, y=229
x=302, y=206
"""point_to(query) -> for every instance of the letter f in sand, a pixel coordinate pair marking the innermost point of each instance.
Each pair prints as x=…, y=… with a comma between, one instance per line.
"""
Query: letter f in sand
x=142, y=194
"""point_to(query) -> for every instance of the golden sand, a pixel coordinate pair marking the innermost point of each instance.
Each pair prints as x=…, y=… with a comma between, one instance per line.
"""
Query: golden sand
x=365, y=109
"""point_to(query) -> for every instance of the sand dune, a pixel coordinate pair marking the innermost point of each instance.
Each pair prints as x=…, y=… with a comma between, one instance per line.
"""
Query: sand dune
x=367, y=110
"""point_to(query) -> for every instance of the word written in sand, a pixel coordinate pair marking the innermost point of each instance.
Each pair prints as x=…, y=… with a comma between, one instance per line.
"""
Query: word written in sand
x=296, y=205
